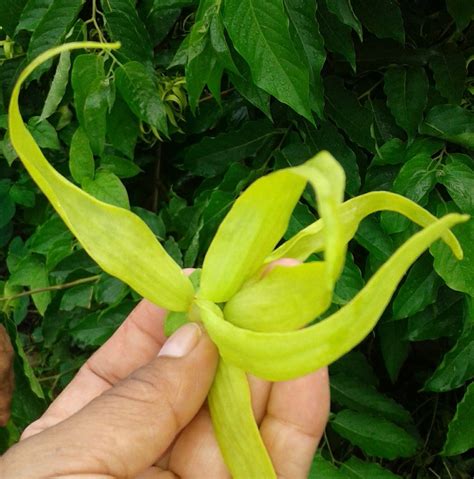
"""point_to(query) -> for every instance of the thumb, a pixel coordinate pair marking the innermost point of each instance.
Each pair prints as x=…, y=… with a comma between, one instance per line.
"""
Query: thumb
x=130, y=426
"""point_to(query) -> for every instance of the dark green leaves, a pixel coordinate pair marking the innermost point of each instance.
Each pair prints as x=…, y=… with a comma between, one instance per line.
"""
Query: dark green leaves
x=406, y=89
x=449, y=70
x=259, y=33
x=307, y=39
x=90, y=98
x=383, y=18
x=213, y=156
x=53, y=26
x=139, y=89
x=375, y=435
x=461, y=428
x=451, y=123
x=462, y=11
x=124, y=25
x=81, y=158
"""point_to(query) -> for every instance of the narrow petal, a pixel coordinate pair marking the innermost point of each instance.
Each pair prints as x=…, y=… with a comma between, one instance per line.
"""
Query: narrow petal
x=285, y=299
x=312, y=239
x=249, y=233
x=115, y=238
x=234, y=425
x=286, y=355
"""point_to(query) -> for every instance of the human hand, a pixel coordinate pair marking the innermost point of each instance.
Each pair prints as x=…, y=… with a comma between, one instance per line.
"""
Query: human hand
x=130, y=413
x=6, y=375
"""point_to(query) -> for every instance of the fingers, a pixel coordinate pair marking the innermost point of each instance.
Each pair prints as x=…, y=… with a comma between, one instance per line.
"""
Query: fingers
x=135, y=343
x=296, y=416
x=122, y=432
x=6, y=375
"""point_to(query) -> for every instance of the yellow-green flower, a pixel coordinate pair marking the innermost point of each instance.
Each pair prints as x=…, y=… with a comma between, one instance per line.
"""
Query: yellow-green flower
x=256, y=321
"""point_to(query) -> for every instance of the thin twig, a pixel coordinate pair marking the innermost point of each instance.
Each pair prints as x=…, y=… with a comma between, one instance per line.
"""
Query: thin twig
x=55, y=287
x=210, y=97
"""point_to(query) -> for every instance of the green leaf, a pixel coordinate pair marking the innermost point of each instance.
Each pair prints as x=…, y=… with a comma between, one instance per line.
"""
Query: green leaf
x=323, y=469
x=121, y=167
x=122, y=128
x=213, y=156
x=124, y=25
x=44, y=133
x=351, y=392
x=327, y=137
x=304, y=31
x=418, y=290
x=462, y=11
x=383, y=18
x=460, y=436
x=32, y=14
x=139, y=89
x=374, y=435
x=7, y=205
x=110, y=290
x=58, y=86
x=407, y=93
x=449, y=70
x=415, y=180
x=356, y=365
x=77, y=297
x=108, y=188
x=458, y=275
x=345, y=13
x=355, y=468
x=53, y=26
x=10, y=11
x=337, y=36
x=349, y=283
x=81, y=158
x=458, y=178
x=457, y=366
x=90, y=98
x=32, y=272
x=259, y=32
x=394, y=346
x=349, y=115
x=451, y=123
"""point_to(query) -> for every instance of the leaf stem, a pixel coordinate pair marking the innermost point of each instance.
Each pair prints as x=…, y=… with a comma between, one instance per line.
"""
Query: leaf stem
x=55, y=287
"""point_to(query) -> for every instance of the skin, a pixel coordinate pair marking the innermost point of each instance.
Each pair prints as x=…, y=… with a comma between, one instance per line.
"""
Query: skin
x=6, y=376
x=131, y=414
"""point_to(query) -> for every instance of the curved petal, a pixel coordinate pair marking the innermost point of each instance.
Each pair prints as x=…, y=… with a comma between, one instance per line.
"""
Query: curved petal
x=312, y=238
x=249, y=233
x=115, y=238
x=283, y=356
x=259, y=218
x=234, y=425
x=285, y=299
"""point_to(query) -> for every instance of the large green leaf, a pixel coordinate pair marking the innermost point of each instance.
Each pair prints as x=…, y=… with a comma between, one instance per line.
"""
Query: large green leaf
x=124, y=25
x=374, y=435
x=457, y=366
x=32, y=14
x=108, y=188
x=81, y=158
x=451, y=123
x=323, y=469
x=122, y=127
x=462, y=11
x=53, y=26
x=138, y=87
x=344, y=11
x=259, y=32
x=213, y=156
x=383, y=18
x=344, y=108
x=337, y=35
x=449, y=70
x=351, y=392
x=407, y=93
x=461, y=428
x=418, y=290
x=458, y=177
x=307, y=39
x=355, y=468
x=459, y=275
x=10, y=11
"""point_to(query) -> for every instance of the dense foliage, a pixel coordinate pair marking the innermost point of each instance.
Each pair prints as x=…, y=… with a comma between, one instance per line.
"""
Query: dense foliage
x=204, y=97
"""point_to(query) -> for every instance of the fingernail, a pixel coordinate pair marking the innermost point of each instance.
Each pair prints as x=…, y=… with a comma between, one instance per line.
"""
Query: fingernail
x=181, y=342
